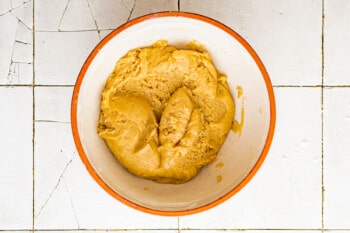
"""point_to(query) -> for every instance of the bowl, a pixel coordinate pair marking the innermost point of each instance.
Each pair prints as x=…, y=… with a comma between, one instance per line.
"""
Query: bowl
x=246, y=145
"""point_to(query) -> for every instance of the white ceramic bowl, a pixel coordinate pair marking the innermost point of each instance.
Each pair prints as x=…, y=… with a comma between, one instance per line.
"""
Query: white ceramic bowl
x=242, y=153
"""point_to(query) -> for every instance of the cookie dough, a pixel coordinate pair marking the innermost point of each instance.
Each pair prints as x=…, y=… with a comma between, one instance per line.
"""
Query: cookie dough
x=165, y=112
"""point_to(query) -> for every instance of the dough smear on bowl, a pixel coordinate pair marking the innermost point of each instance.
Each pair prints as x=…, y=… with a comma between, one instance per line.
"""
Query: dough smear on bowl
x=165, y=112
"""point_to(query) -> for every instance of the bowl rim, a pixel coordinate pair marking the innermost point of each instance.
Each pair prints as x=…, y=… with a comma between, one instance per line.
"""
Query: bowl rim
x=74, y=106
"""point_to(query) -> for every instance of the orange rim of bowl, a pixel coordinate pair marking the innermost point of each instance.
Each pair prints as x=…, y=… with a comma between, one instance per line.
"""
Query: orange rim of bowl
x=75, y=96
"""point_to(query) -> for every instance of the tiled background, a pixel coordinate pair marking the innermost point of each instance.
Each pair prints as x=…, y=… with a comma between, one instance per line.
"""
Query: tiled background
x=303, y=186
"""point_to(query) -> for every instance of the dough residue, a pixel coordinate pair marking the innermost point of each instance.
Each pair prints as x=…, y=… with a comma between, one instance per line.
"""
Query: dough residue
x=237, y=127
x=165, y=112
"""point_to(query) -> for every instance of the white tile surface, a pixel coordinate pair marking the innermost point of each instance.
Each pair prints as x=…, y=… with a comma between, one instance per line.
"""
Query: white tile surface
x=5, y=6
x=285, y=34
x=336, y=157
x=53, y=103
x=16, y=133
x=286, y=192
x=59, y=56
x=337, y=42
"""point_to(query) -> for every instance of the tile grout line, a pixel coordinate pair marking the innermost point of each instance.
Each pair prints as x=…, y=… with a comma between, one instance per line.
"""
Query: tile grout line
x=33, y=137
x=178, y=225
x=125, y=230
x=115, y=230
x=322, y=118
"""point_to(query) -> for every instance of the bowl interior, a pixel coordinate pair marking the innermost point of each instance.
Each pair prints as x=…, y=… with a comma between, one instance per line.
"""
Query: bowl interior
x=238, y=155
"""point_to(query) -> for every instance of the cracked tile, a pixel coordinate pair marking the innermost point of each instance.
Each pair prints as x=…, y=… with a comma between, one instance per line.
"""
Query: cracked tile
x=48, y=14
x=17, y=3
x=104, y=33
x=53, y=104
x=8, y=23
x=17, y=45
x=22, y=53
x=53, y=191
x=285, y=34
x=77, y=16
x=82, y=203
x=16, y=158
x=152, y=6
x=59, y=56
x=5, y=6
x=57, y=205
x=129, y=4
x=54, y=152
x=23, y=34
x=110, y=14
x=20, y=73
x=24, y=13
x=95, y=209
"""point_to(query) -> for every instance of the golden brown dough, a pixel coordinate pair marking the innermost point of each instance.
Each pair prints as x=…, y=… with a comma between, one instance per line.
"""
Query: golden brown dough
x=165, y=112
